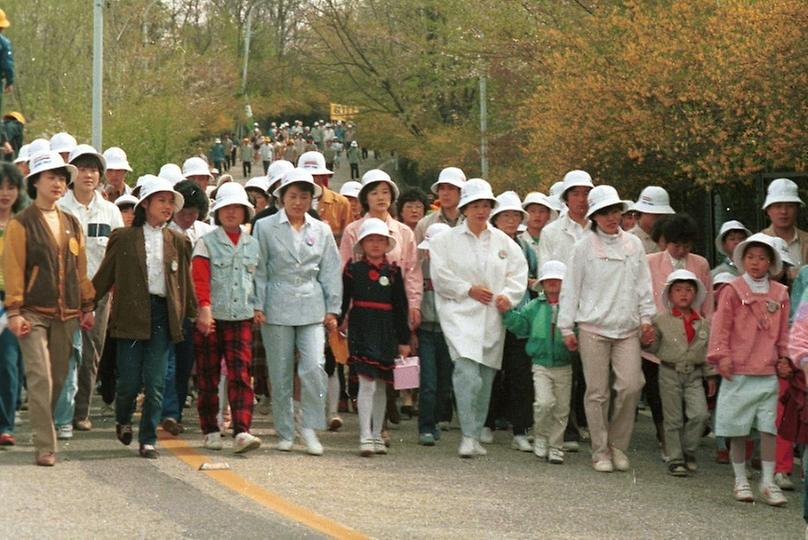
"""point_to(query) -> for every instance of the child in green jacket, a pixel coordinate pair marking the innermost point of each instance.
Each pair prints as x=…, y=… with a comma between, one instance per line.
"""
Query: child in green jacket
x=552, y=373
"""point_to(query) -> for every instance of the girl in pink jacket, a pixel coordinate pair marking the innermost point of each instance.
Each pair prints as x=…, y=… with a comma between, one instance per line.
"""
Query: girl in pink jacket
x=749, y=337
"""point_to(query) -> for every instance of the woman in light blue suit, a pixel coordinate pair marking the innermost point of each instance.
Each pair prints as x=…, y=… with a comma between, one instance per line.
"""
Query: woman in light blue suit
x=298, y=287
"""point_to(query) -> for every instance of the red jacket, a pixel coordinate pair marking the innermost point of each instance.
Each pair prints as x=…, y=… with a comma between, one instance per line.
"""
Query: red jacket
x=794, y=423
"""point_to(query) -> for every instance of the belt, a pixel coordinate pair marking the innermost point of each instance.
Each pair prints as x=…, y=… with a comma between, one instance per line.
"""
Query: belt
x=680, y=368
x=98, y=229
x=373, y=305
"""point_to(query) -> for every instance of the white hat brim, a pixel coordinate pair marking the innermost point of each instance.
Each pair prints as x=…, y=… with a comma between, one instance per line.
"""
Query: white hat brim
x=647, y=209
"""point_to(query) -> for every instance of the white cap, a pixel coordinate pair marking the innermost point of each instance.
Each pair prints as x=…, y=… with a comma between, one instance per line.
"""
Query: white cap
x=350, y=189
x=126, y=199
x=232, y=193
x=476, y=189
x=450, y=175
x=195, y=166
x=172, y=172
x=48, y=161
x=726, y=227
x=630, y=207
x=154, y=184
x=142, y=180
x=295, y=176
x=62, y=142
x=116, y=159
x=534, y=197
x=782, y=190
x=87, y=150
x=552, y=270
x=37, y=146
x=378, y=175
x=217, y=140
x=22, y=155
x=276, y=171
x=653, y=200
x=782, y=247
x=508, y=200
x=683, y=275
x=603, y=196
x=431, y=232
x=258, y=182
x=723, y=277
x=354, y=144
x=314, y=162
x=374, y=226
x=575, y=178
x=759, y=238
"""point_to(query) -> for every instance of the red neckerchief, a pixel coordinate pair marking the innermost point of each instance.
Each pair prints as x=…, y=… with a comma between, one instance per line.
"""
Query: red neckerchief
x=688, y=321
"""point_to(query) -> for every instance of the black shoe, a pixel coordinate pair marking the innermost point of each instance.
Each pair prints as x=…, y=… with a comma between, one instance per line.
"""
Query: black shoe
x=148, y=451
x=124, y=433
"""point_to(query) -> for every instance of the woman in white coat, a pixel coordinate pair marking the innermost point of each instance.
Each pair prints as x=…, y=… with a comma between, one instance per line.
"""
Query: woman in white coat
x=607, y=293
x=473, y=267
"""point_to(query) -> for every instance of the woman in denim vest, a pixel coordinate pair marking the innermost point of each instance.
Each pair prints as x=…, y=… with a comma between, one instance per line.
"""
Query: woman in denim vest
x=224, y=264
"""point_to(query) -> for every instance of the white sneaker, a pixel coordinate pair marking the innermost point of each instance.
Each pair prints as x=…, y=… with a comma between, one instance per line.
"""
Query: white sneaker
x=64, y=432
x=366, y=447
x=521, y=443
x=334, y=423
x=743, y=492
x=772, y=495
x=378, y=446
x=284, y=445
x=540, y=447
x=782, y=481
x=486, y=436
x=213, y=441
x=620, y=460
x=556, y=456
x=245, y=442
x=313, y=446
x=478, y=448
x=571, y=446
x=603, y=465
x=466, y=449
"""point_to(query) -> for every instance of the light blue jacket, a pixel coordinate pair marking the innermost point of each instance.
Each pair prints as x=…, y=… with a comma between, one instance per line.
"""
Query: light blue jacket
x=297, y=287
x=232, y=271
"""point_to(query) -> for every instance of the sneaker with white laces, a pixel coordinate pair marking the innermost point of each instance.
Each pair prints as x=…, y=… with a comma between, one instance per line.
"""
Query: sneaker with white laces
x=772, y=495
x=479, y=449
x=540, y=447
x=603, y=465
x=743, y=492
x=486, y=436
x=556, y=456
x=783, y=481
x=620, y=460
x=378, y=445
x=64, y=432
x=213, y=441
x=245, y=442
x=466, y=449
x=313, y=446
x=284, y=445
x=521, y=443
x=366, y=448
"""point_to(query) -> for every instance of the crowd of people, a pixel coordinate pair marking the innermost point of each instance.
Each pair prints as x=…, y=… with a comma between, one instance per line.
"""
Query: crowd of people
x=554, y=315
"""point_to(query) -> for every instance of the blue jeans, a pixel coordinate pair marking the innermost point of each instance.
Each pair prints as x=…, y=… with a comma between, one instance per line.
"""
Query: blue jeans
x=178, y=371
x=143, y=364
x=436, y=379
x=10, y=380
x=66, y=405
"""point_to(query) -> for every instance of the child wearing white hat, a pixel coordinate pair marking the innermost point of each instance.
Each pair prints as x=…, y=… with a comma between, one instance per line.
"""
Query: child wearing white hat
x=552, y=370
x=375, y=304
x=730, y=234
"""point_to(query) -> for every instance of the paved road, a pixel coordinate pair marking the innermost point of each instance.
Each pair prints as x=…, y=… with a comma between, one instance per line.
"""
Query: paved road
x=102, y=489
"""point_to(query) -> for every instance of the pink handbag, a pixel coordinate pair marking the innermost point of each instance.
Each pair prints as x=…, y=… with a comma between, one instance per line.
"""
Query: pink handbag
x=407, y=373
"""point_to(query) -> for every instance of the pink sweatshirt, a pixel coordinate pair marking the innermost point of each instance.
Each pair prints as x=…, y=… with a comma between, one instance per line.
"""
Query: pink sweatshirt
x=749, y=330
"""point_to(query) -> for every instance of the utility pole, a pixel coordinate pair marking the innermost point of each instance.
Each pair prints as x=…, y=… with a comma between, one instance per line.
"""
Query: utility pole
x=483, y=127
x=98, y=71
x=246, y=49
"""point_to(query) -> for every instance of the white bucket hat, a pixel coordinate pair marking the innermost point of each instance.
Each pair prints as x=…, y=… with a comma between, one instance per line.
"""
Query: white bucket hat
x=49, y=161
x=195, y=166
x=726, y=227
x=603, y=196
x=37, y=146
x=683, y=275
x=508, y=200
x=62, y=142
x=576, y=178
x=630, y=208
x=552, y=270
x=759, y=238
x=172, y=172
x=87, y=150
x=431, y=232
x=260, y=183
x=116, y=159
x=654, y=200
x=276, y=171
x=534, y=197
x=476, y=189
x=232, y=193
x=723, y=278
x=782, y=247
x=22, y=155
x=378, y=175
x=374, y=226
x=782, y=190
x=350, y=189
x=154, y=184
x=314, y=162
x=126, y=199
x=450, y=175
x=141, y=180
x=297, y=175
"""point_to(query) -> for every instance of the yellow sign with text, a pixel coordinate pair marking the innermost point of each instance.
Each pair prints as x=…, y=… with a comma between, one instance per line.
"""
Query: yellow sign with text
x=343, y=112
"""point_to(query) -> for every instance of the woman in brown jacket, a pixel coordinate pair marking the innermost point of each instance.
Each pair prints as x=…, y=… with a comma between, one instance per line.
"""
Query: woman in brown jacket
x=150, y=268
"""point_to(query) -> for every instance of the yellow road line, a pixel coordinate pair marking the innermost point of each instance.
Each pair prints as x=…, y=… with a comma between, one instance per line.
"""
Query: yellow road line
x=242, y=486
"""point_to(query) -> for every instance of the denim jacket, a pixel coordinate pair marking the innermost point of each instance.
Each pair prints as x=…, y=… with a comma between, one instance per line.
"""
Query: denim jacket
x=232, y=270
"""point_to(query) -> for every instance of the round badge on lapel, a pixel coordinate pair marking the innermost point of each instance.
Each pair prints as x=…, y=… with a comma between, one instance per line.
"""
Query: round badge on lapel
x=174, y=266
x=503, y=254
x=772, y=306
x=383, y=281
x=73, y=245
x=309, y=240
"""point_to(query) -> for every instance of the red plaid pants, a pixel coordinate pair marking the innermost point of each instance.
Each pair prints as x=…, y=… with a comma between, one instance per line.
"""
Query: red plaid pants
x=231, y=341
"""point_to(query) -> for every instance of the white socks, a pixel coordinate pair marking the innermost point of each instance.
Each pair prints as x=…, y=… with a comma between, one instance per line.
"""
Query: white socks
x=379, y=406
x=740, y=473
x=767, y=472
x=333, y=394
x=371, y=401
